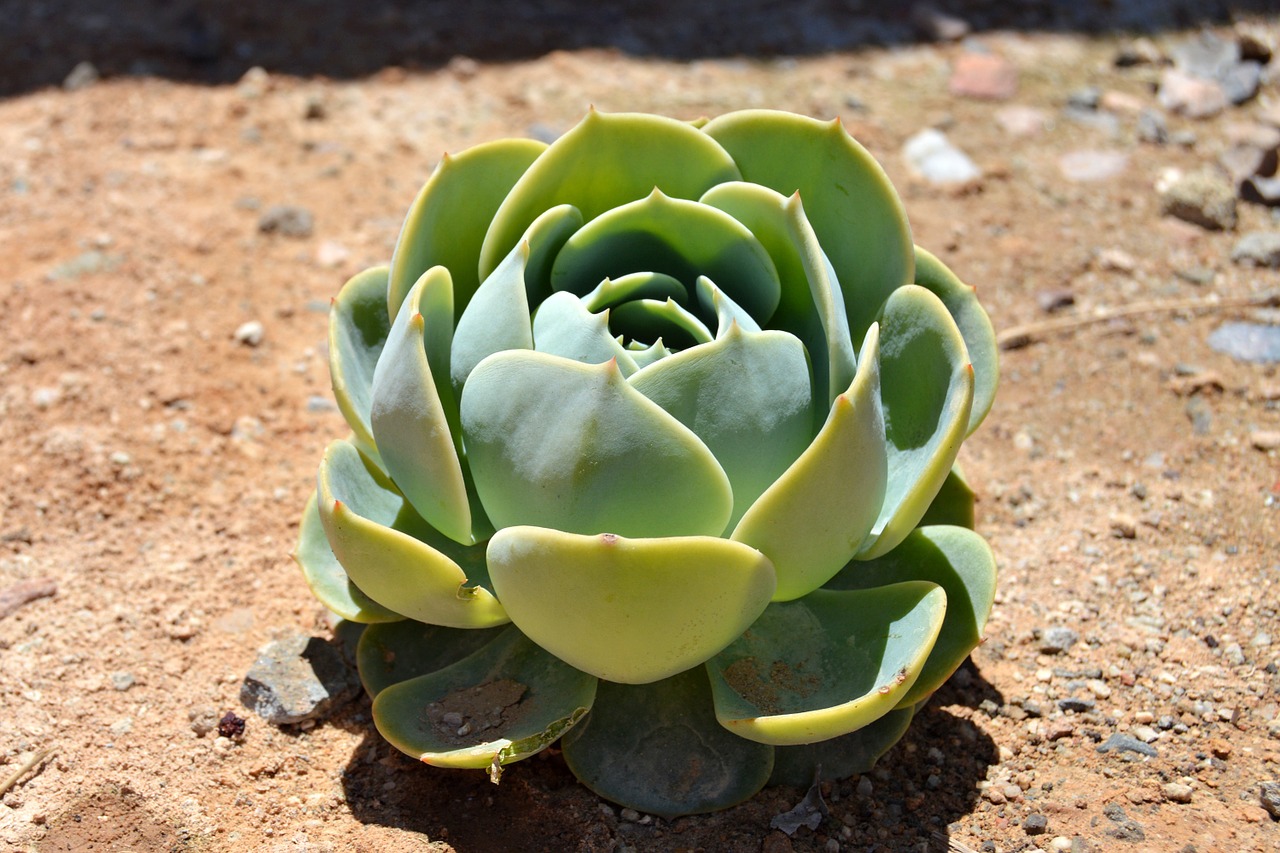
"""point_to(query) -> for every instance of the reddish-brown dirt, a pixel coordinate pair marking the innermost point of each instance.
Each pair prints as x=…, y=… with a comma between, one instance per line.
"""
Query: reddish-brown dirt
x=156, y=466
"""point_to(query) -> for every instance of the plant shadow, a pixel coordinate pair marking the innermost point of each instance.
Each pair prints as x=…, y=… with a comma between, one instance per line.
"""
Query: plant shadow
x=926, y=783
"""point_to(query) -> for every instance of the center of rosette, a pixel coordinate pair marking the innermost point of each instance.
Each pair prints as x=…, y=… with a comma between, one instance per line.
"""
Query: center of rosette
x=644, y=262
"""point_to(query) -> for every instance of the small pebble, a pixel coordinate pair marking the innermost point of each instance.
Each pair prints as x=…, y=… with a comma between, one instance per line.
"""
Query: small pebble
x=1176, y=792
x=250, y=334
x=1035, y=824
x=1058, y=639
x=122, y=680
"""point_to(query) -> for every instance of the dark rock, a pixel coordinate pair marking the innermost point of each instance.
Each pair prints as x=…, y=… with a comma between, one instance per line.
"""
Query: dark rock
x=1261, y=190
x=289, y=220
x=1085, y=99
x=1125, y=743
x=1051, y=301
x=1126, y=829
x=1035, y=824
x=1073, y=703
x=1252, y=342
x=936, y=25
x=298, y=678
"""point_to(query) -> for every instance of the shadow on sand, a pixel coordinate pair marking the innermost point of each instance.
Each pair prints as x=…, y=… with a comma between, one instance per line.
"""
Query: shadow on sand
x=214, y=41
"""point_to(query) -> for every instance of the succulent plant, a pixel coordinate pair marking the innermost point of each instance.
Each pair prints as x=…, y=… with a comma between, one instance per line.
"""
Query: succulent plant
x=652, y=453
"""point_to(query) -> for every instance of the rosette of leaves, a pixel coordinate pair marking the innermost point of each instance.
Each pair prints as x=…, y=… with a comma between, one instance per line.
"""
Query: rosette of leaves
x=653, y=433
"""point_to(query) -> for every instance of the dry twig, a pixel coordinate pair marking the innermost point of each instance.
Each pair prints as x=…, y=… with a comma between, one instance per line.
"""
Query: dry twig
x=36, y=757
x=953, y=845
x=13, y=597
x=1028, y=333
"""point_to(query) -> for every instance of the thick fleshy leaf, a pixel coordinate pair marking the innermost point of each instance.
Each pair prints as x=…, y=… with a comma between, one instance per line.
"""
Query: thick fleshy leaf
x=827, y=664
x=825, y=289
x=647, y=320
x=856, y=213
x=398, y=651
x=953, y=504
x=678, y=237
x=658, y=749
x=927, y=392
x=497, y=318
x=605, y=161
x=628, y=610
x=358, y=327
x=546, y=236
x=747, y=396
x=727, y=312
x=975, y=327
x=564, y=327
x=326, y=577
x=647, y=355
x=448, y=219
x=817, y=514
x=959, y=561
x=636, y=285
x=841, y=757
x=505, y=702
x=395, y=557
x=765, y=213
x=570, y=446
x=415, y=413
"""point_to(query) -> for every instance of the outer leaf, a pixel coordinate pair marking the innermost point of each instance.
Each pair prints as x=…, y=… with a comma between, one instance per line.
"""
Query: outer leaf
x=953, y=504
x=747, y=396
x=857, y=215
x=975, y=327
x=564, y=327
x=826, y=665
x=841, y=757
x=678, y=237
x=396, y=558
x=955, y=559
x=514, y=701
x=603, y=162
x=927, y=392
x=447, y=221
x=398, y=651
x=415, y=413
x=657, y=749
x=817, y=514
x=326, y=577
x=358, y=327
x=628, y=610
x=570, y=446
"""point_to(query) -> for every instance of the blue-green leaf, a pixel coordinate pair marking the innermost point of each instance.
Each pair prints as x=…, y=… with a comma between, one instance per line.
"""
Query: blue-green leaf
x=564, y=327
x=358, y=327
x=657, y=749
x=569, y=446
x=326, y=577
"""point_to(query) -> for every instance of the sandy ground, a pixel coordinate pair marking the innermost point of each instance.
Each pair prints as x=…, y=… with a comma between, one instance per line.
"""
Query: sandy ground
x=157, y=466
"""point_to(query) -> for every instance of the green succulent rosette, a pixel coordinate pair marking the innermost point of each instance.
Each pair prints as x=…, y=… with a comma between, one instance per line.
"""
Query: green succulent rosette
x=644, y=425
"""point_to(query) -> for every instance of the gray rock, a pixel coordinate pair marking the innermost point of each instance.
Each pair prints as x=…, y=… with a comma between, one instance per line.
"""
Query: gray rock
x=1076, y=704
x=298, y=678
x=1240, y=83
x=1262, y=190
x=122, y=680
x=287, y=219
x=1058, y=639
x=1086, y=98
x=1152, y=127
x=1126, y=743
x=1035, y=824
x=934, y=158
x=1253, y=342
x=1205, y=55
x=1259, y=248
x=81, y=77
x=1270, y=799
x=1203, y=198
